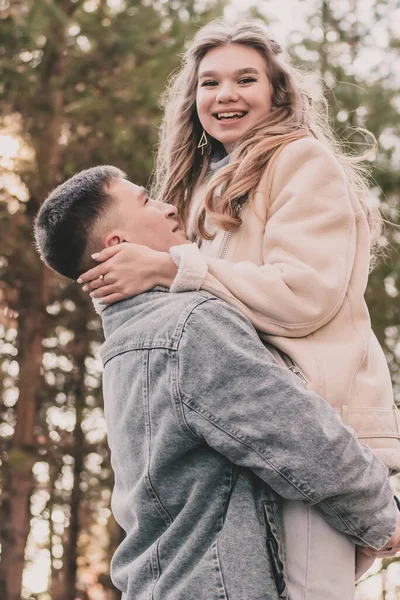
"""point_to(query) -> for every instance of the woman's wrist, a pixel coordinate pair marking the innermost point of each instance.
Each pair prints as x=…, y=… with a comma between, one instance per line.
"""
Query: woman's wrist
x=165, y=270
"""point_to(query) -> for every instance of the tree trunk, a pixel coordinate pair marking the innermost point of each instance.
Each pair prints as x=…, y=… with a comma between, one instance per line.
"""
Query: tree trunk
x=70, y=564
x=31, y=308
x=18, y=488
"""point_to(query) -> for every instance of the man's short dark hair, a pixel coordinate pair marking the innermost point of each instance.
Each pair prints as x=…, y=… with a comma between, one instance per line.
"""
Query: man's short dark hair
x=65, y=221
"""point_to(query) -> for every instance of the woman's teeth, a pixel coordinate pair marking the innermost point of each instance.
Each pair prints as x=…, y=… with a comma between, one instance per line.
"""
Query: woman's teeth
x=230, y=115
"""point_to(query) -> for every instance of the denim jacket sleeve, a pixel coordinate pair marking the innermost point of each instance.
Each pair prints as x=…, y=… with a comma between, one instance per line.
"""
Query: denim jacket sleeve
x=239, y=401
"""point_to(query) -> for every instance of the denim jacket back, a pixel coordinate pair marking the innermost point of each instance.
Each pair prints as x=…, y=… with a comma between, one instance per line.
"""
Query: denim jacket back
x=202, y=438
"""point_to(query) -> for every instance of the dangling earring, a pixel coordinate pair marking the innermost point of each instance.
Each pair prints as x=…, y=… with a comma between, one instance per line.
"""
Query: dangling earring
x=203, y=142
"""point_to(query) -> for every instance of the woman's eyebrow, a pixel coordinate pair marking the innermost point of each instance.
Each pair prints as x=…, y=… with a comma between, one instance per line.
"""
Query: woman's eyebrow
x=236, y=73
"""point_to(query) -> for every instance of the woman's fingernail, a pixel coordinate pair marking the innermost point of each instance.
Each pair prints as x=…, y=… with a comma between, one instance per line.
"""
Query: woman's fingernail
x=92, y=295
x=96, y=255
x=85, y=288
x=80, y=280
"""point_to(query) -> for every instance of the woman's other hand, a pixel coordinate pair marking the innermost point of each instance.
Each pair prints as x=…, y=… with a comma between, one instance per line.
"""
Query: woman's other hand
x=127, y=270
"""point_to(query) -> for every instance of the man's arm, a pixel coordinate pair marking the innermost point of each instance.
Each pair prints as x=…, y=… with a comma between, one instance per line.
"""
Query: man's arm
x=257, y=414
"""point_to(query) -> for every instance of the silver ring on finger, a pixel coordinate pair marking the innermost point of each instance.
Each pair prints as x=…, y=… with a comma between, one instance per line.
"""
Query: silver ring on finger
x=101, y=276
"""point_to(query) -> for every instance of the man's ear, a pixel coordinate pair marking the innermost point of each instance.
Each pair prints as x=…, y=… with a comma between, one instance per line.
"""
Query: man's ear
x=113, y=239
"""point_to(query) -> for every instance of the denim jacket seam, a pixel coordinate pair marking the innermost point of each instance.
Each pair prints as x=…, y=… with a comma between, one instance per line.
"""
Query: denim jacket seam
x=134, y=347
x=244, y=442
x=161, y=509
x=155, y=567
x=222, y=590
x=354, y=530
x=158, y=568
x=177, y=395
x=227, y=494
x=177, y=335
x=154, y=344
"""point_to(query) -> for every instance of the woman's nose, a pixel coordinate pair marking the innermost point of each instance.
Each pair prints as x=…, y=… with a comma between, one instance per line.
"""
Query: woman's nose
x=227, y=93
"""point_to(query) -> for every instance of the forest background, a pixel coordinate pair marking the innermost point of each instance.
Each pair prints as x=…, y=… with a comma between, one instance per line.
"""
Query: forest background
x=80, y=85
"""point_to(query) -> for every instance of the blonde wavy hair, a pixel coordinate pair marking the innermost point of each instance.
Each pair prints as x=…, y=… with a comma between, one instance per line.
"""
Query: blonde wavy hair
x=180, y=165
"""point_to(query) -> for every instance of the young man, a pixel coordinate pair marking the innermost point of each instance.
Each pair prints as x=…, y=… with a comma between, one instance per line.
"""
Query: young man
x=206, y=431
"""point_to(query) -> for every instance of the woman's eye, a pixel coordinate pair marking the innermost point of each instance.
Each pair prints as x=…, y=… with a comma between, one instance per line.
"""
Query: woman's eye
x=208, y=83
x=247, y=80
x=146, y=201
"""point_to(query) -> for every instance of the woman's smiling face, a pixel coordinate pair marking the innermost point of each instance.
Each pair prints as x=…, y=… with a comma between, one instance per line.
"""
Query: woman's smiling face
x=233, y=92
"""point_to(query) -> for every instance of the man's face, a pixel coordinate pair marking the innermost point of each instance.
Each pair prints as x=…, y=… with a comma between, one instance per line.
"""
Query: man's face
x=136, y=219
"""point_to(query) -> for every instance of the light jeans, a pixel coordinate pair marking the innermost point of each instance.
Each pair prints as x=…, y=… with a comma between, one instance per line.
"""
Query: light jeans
x=320, y=560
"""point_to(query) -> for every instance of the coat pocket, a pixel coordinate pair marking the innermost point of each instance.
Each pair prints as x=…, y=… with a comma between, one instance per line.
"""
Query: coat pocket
x=285, y=361
x=291, y=365
x=274, y=531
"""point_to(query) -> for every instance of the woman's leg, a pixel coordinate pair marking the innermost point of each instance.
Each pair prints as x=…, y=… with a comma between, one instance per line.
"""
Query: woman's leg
x=320, y=561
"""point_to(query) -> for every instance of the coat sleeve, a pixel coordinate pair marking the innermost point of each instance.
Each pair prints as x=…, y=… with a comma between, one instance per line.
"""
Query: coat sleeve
x=308, y=249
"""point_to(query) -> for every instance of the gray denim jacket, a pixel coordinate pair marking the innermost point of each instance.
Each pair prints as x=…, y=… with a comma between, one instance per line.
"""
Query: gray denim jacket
x=205, y=431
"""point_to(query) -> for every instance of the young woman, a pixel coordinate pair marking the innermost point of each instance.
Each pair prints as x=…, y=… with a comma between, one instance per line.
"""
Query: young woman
x=282, y=230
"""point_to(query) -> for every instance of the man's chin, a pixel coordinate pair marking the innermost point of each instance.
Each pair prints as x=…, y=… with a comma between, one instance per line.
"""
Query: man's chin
x=180, y=239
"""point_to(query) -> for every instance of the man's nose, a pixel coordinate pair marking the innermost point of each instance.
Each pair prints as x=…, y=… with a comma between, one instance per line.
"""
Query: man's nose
x=169, y=210
x=227, y=93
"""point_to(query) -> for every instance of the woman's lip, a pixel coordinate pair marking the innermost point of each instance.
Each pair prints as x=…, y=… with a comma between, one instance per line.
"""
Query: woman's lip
x=229, y=122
